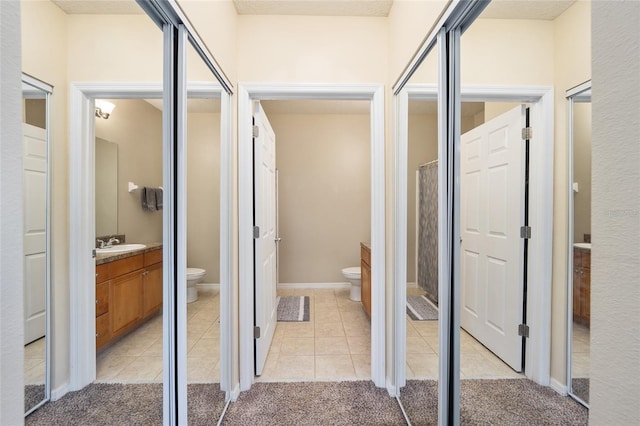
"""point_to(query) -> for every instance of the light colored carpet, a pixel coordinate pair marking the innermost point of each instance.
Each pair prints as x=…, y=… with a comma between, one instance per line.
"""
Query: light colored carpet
x=130, y=404
x=483, y=402
x=314, y=403
x=33, y=395
x=495, y=402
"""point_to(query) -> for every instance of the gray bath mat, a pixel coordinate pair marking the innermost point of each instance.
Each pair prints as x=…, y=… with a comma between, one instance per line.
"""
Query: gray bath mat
x=419, y=308
x=293, y=308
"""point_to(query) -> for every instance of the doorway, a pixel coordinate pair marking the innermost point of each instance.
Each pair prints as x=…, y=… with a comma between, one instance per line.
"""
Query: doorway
x=322, y=156
x=247, y=95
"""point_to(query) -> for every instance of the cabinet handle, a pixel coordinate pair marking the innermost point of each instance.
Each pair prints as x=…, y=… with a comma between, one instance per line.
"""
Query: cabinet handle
x=97, y=335
x=96, y=301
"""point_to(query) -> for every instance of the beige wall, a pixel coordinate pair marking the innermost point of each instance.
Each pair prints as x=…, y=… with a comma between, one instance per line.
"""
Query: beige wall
x=409, y=23
x=324, y=167
x=312, y=49
x=44, y=40
x=129, y=48
x=615, y=270
x=136, y=127
x=203, y=194
x=582, y=170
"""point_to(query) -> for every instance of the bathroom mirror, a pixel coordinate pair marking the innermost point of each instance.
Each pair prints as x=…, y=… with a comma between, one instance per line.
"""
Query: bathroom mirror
x=36, y=240
x=106, y=187
x=579, y=254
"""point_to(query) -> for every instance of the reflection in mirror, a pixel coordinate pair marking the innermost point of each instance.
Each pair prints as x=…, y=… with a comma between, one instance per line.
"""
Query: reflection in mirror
x=580, y=242
x=506, y=192
x=128, y=148
x=203, y=243
x=36, y=216
x=420, y=395
x=106, y=187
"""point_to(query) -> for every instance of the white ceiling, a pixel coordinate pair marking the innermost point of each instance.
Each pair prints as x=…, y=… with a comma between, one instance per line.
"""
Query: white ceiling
x=546, y=10
x=498, y=9
x=99, y=7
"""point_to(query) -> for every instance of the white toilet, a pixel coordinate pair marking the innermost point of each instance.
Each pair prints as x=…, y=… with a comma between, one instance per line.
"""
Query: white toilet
x=353, y=276
x=194, y=275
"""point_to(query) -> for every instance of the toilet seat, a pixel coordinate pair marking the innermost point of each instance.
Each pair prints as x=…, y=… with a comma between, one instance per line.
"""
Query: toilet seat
x=352, y=272
x=195, y=273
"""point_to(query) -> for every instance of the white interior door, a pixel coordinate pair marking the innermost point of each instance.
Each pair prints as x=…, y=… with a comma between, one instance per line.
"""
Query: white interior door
x=34, y=164
x=265, y=238
x=492, y=211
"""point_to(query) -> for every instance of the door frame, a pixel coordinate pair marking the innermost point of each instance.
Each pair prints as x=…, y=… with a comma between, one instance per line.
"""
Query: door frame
x=538, y=348
x=82, y=351
x=249, y=92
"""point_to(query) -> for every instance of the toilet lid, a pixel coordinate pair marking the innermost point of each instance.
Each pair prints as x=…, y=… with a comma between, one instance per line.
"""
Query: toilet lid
x=352, y=270
x=195, y=271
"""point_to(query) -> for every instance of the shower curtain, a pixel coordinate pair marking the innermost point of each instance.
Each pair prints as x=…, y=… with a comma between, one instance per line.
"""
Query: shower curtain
x=428, y=230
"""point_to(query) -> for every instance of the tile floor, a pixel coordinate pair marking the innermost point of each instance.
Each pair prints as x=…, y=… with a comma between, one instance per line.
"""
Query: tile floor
x=137, y=357
x=34, y=362
x=580, y=360
x=333, y=345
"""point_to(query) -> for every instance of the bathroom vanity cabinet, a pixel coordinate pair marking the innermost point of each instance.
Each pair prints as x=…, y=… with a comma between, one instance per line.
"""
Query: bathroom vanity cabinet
x=128, y=290
x=365, y=277
x=582, y=286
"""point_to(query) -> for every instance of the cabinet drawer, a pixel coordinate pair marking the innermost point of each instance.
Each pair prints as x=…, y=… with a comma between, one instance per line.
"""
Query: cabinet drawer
x=365, y=254
x=126, y=265
x=102, y=298
x=153, y=257
x=102, y=272
x=103, y=330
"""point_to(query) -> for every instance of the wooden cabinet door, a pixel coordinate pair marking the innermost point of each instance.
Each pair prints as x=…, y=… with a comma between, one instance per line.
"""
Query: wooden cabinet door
x=152, y=289
x=103, y=332
x=126, y=301
x=102, y=298
x=365, y=287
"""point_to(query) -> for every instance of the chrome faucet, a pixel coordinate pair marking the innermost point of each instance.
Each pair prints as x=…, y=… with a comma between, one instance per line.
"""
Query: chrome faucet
x=112, y=240
x=109, y=243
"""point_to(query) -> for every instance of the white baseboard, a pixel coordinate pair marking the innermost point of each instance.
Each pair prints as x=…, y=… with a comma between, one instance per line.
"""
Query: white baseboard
x=558, y=387
x=392, y=390
x=60, y=391
x=234, y=394
x=412, y=285
x=292, y=286
x=208, y=287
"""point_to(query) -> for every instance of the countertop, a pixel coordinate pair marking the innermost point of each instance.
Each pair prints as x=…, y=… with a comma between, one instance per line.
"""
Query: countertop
x=112, y=257
x=582, y=247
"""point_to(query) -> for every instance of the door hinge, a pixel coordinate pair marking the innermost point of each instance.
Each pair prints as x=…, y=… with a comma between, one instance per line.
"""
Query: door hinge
x=525, y=232
x=527, y=133
x=93, y=253
x=256, y=232
x=256, y=332
x=256, y=131
x=523, y=330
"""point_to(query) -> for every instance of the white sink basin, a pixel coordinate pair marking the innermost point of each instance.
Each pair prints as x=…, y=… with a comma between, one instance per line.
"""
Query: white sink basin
x=582, y=245
x=120, y=248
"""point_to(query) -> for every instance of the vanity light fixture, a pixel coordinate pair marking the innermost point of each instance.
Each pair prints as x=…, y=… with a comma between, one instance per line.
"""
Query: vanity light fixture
x=104, y=108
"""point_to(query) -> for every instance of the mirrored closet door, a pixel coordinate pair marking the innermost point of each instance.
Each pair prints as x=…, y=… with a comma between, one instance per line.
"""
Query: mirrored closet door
x=579, y=254
x=36, y=238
